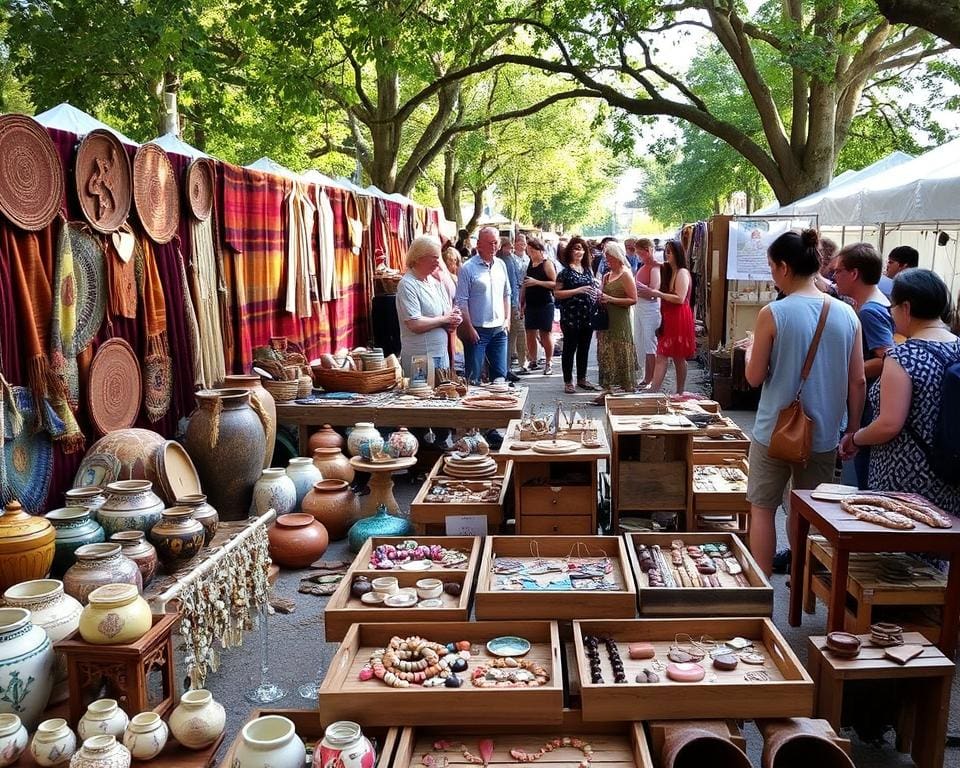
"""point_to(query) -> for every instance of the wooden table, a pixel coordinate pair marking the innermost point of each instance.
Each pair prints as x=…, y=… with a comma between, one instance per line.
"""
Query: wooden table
x=381, y=483
x=846, y=534
x=386, y=409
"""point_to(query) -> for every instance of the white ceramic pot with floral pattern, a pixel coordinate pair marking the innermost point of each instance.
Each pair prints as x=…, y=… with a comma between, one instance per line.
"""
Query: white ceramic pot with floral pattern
x=102, y=718
x=131, y=505
x=304, y=475
x=364, y=434
x=101, y=752
x=198, y=720
x=115, y=615
x=401, y=444
x=54, y=743
x=146, y=736
x=27, y=665
x=275, y=490
x=269, y=742
x=13, y=739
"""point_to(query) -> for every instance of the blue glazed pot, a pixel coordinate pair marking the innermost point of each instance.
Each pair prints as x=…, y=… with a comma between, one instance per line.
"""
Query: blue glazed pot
x=73, y=528
x=380, y=524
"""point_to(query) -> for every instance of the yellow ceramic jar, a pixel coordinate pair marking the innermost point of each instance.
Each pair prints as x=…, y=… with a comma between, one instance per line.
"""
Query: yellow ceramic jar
x=26, y=546
x=114, y=615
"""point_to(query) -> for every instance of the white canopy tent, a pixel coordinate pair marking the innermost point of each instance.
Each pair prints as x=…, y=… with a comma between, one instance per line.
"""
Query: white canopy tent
x=66, y=117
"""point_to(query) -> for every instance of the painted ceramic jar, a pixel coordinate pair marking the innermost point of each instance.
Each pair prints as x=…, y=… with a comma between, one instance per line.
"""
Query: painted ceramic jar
x=131, y=505
x=259, y=397
x=90, y=497
x=103, y=717
x=115, y=615
x=304, y=474
x=13, y=739
x=333, y=465
x=364, y=433
x=146, y=736
x=26, y=666
x=198, y=720
x=203, y=513
x=332, y=503
x=269, y=742
x=99, y=564
x=473, y=443
x=274, y=490
x=26, y=546
x=73, y=528
x=343, y=744
x=325, y=437
x=54, y=743
x=177, y=537
x=127, y=453
x=296, y=540
x=134, y=545
x=101, y=752
x=227, y=442
x=56, y=613
x=380, y=524
x=401, y=444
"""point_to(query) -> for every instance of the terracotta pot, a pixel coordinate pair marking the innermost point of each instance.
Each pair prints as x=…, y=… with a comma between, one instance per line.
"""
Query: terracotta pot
x=269, y=742
x=101, y=752
x=103, y=716
x=13, y=739
x=801, y=741
x=401, y=444
x=177, y=537
x=73, y=528
x=91, y=498
x=132, y=452
x=296, y=540
x=54, y=743
x=364, y=434
x=26, y=546
x=134, y=545
x=146, y=736
x=325, y=437
x=258, y=394
x=304, y=474
x=198, y=720
x=694, y=744
x=274, y=490
x=227, y=442
x=99, y=564
x=203, y=513
x=333, y=465
x=26, y=666
x=332, y=503
x=131, y=505
x=115, y=615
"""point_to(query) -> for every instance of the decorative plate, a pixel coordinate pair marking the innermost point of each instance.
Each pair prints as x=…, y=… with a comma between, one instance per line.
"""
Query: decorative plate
x=555, y=446
x=508, y=645
x=155, y=193
x=371, y=598
x=200, y=188
x=114, y=390
x=98, y=469
x=400, y=600
x=416, y=565
x=104, y=181
x=433, y=602
x=31, y=177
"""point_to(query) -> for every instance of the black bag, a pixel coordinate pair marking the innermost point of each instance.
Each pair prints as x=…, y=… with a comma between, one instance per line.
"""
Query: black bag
x=599, y=319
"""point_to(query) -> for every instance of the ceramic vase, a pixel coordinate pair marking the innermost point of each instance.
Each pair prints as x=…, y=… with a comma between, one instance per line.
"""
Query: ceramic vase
x=198, y=720
x=56, y=613
x=332, y=503
x=134, y=545
x=343, y=744
x=73, y=528
x=27, y=666
x=26, y=546
x=131, y=505
x=203, y=513
x=364, y=434
x=146, y=736
x=115, y=615
x=296, y=540
x=269, y=742
x=130, y=454
x=101, y=752
x=325, y=437
x=54, y=743
x=259, y=396
x=97, y=565
x=401, y=444
x=304, y=474
x=274, y=490
x=90, y=497
x=227, y=442
x=103, y=717
x=333, y=465
x=380, y=524
x=177, y=537
x=13, y=739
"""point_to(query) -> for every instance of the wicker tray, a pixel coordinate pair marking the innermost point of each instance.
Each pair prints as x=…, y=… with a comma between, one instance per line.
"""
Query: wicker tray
x=363, y=382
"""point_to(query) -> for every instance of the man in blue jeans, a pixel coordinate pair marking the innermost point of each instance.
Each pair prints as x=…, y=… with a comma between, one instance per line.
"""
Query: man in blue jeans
x=483, y=295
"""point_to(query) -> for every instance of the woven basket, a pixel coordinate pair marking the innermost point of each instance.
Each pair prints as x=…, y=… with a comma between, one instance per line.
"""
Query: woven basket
x=282, y=391
x=306, y=386
x=363, y=382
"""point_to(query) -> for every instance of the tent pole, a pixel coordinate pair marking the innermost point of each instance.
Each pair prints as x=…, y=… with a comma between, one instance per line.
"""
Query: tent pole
x=883, y=235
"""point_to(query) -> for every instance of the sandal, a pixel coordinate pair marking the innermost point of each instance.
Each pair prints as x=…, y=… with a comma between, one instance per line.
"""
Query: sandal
x=584, y=384
x=547, y=370
x=569, y=389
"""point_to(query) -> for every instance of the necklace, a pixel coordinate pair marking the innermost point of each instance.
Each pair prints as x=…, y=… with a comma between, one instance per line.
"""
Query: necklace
x=415, y=661
x=510, y=673
x=561, y=741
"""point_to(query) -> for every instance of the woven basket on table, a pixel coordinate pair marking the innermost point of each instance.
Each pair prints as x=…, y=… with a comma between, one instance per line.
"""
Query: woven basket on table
x=282, y=391
x=363, y=382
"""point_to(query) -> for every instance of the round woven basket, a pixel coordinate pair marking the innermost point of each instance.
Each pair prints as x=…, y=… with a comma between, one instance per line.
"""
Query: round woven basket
x=115, y=389
x=282, y=391
x=31, y=177
x=155, y=193
x=104, y=181
x=89, y=274
x=200, y=188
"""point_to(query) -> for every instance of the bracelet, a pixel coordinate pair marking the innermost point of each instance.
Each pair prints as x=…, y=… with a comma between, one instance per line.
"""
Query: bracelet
x=853, y=438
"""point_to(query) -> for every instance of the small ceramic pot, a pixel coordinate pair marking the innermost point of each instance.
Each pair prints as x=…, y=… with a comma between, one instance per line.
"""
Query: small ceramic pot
x=203, y=513
x=473, y=443
x=334, y=505
x=333, y=465
x=401, y=444
x=134, y=545
x=296, y=540
x=304, y=475
x=13, y=739
x=269, y=742
x=27, y=665
x=101, y=752
x=343, y=744
x=99, y=564
x=325, y=437
x=131, y=505
x=198, y=720
x=364, y=433
x=102, y=718
x=73, y=528
x=275, y=490
x=385, y=585
x=177, y=537
x=428, y=589
x=90, y=497
x=26, y=546
x=54, y=743
x=115, y=615
x=146, y=736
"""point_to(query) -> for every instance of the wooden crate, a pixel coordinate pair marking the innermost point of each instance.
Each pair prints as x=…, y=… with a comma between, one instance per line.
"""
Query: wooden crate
x=429, y=515
x=492, y=603
x=725, y=497
x=725, y=437
x=652, y=485
x=755, y=600
x=310, y=730
x=788, y=692
x=469, y=544
x=344, y=697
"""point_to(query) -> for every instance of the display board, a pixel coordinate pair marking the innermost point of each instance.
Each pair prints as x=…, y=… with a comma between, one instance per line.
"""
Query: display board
x=748, y=242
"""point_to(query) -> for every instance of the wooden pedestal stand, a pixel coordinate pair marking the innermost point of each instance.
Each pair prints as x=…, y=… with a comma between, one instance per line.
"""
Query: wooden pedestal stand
x=381, y=483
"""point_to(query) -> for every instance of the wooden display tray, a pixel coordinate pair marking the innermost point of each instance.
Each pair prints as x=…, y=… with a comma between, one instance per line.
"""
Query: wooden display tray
x=788, y=693
x=423, y=513
x=310, y=730
x=755, y=600
x=725, y=437
x=470, y=544
x=655, y=403
x=491, y=603
x=344, y=697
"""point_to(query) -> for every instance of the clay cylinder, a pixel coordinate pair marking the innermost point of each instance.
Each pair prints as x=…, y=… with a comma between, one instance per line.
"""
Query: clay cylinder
x=801, y=741
x=696, y=744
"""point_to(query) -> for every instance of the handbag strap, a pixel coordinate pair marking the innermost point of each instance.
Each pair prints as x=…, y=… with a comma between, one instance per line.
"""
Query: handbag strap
x=812, y=352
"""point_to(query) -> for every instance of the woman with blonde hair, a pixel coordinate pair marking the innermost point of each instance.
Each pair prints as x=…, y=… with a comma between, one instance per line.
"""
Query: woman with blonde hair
x=616, y=353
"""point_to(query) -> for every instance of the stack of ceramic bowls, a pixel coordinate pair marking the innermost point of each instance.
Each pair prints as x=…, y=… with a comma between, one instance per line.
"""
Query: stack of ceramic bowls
x=469, y=467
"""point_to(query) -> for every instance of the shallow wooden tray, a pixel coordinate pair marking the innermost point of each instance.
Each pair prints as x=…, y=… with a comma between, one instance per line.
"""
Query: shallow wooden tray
x=435, y=513
x=788, y=693
x=469, y=544
x=492, y=603
x=344, y=697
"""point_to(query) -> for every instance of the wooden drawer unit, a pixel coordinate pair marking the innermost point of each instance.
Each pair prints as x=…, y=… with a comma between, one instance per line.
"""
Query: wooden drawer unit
x=556, y=499
x=563, y=525
x=429, y=515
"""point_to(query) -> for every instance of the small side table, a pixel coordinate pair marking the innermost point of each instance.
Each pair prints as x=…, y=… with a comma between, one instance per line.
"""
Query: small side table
x=927, y=698
x=381, y=483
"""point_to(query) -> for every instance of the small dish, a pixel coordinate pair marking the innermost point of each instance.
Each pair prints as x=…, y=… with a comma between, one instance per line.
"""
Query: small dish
x=434, y=602
x=416, y=565
x=508, y=645
x=386, y=585
x=400, y=600
x=372, y=598
x=592, y=444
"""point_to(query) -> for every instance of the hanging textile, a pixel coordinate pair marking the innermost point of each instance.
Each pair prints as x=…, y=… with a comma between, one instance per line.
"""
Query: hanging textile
x=122, y=273
x=396, y=235
x=63, y=322
x=326, y=246
x=157, y=366
x=355, y=219
x=350, y=313
x=191, y=322
x=301, y=275
x=205, y=288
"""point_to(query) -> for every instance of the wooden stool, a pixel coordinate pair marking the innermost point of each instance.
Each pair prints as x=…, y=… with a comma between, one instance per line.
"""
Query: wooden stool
x=123, y=672
x=924, y=706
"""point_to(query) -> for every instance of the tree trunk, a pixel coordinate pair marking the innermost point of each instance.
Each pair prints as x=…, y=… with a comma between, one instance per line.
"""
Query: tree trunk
x=451, y=188
x=384, y=131
x=941, y=17
x=169, y=117
x=471, y=224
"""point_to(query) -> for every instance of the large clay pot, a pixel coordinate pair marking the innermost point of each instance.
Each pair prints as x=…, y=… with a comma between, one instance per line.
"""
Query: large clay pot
x=380, y=524
x=274, y=490
x=203, y=513
x=56, y=613
x=131, y=454
x=258, y=395
x=73, y=528
x=54, y=743
x=325, y=437
x=99, y=564
x=694, y=744
x=269, y=742
x=227, y=442
x=27, y=666
x=304, y=474
x=115, y=615
x=333, y=465
x=26, y=546
x=296, y=540
x=401, y=444
x=134, y=545
x=198, y=720
x=101, y=752
x=90, y=497
x=364, y=434
x=131, y=505
x=801, y=741
x=332, y=503
x=177, y=537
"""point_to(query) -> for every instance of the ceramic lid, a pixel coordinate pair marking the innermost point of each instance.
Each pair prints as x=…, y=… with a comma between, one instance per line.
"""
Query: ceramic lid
x=177, y=473
x=113, y=594
x=17, y=525
x=295, y=520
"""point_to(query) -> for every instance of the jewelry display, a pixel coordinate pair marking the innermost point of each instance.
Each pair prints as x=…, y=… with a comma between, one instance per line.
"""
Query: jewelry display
x=899, y=513
x=484, y=747
x=719, y=479
x=523, y=756
x=757, y=676
x=407, y=552
x=592, y=646
x=647, y=676
x=579, y=571
x=686, y=672
x=416, y=661
x=463, y=492
x=690, y=566
x=510, y=673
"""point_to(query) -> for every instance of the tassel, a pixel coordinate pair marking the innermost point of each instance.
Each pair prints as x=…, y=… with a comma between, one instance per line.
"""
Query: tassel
x=215, y=422
x=37, y=378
